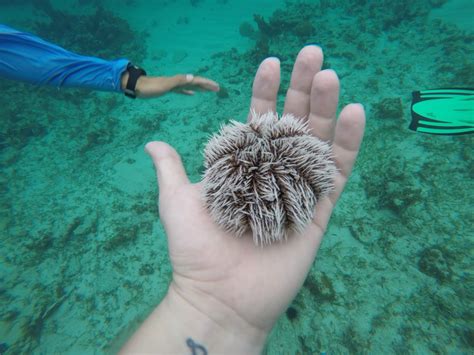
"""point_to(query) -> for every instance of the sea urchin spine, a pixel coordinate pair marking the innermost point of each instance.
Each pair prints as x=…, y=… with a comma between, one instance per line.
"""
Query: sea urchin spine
x=266, y=175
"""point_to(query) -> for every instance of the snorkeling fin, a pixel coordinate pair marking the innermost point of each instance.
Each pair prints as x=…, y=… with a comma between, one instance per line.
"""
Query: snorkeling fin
x=443, y=111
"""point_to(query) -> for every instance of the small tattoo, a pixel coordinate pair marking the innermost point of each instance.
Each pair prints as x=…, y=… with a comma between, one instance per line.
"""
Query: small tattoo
x=196, y=348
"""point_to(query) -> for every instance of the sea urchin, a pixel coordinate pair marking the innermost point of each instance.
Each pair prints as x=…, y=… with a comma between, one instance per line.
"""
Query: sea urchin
x=266, y=175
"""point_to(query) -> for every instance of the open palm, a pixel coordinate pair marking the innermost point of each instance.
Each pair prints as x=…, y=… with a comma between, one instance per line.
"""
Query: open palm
x=214, y=270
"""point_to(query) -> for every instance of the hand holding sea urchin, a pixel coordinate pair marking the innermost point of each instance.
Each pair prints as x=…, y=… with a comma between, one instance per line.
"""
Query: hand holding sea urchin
x=266, y=176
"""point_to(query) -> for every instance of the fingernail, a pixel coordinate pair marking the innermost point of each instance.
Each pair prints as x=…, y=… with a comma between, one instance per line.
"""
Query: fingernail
x=313, y=44
x=147, y=148
x=274, y=57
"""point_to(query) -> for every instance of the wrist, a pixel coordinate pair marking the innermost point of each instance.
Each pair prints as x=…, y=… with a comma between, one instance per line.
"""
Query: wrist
x=183, y=79
x=180, y=319
x=212, y=324
x=123, y=80
x=179, y=81
x=141, y=83
x=130, y=79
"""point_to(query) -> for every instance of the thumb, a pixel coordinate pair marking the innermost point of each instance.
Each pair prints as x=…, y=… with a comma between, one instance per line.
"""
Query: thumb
x=169, y=168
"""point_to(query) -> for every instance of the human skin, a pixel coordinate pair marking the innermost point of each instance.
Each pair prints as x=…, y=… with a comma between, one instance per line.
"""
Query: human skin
x=226, y=294
x=154, y=86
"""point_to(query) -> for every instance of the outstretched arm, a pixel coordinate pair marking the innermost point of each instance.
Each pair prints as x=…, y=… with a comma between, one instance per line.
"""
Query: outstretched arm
x=153, y=86
x=26, y=57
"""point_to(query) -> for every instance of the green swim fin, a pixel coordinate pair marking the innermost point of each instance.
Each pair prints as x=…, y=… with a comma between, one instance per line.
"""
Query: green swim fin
x=443, y=111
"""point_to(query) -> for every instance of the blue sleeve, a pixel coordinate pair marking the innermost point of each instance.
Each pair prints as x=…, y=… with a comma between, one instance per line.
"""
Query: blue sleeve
x=26, y=57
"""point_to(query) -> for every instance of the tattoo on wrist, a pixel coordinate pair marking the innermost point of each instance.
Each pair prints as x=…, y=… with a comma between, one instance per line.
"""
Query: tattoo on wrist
x=196, y=349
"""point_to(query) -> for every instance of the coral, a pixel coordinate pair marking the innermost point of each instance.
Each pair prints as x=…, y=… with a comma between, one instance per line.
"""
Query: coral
x=247, y=30
x=305, y=348
x=123, y=235
x=40, y=242
x=13, y=3
x=462, y=76
x=96, y=138
x=152, y=124
x=291, y=313
x=390, y=14
x=353, y=341
x=295, y=21
x=179, y=56
x=320, y=286
x=390, y=107
x=223, y=93
x=3, y=292
x=394, y=186
x=146, y=269
x=183, y=20
x=260, y=51
x=264, y=27
x=71, y=228
x=468, y=337
x=433, y=262
x=18, y=128
x=101, y=34
x=266, y=176
x=304, y=29
x=195, y=3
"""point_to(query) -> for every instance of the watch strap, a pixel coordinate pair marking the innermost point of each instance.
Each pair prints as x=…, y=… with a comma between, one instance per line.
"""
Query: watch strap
x=134, y=73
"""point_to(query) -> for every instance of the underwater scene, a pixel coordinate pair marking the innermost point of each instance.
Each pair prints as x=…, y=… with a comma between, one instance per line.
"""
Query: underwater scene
x=83, y=254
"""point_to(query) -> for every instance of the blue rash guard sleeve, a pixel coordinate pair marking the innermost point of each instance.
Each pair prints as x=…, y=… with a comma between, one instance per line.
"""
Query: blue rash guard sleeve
x=26, y=57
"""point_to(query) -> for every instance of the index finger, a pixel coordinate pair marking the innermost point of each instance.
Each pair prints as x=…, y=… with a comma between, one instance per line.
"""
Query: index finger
x=265, y=87
x=205, y=84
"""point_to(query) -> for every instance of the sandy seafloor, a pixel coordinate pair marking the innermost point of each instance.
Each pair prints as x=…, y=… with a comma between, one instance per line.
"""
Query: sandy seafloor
x=83, y=256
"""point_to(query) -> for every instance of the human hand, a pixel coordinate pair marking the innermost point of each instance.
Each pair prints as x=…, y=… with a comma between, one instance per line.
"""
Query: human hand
x=154, y=86
x=227, y=281
x=195, y=83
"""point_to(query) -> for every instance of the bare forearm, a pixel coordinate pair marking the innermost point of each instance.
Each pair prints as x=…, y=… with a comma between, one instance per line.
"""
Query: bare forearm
x=152, y=86
x=178, y=326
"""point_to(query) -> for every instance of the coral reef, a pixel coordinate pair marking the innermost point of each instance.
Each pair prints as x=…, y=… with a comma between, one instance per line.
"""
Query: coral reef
x=246, y=30
x=291, y=313
x=391, y=107
x=223, y=93
x=147, y=269
x=100, y=34
x=320, y=286
x=280, y=24
x=394, y=270
x=434, y=263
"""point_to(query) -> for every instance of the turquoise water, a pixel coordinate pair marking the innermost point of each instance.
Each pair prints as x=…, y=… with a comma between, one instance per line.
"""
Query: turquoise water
x=83, y=256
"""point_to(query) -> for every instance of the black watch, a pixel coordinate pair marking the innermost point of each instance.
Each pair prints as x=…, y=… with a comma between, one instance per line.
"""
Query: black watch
x=134, y=73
